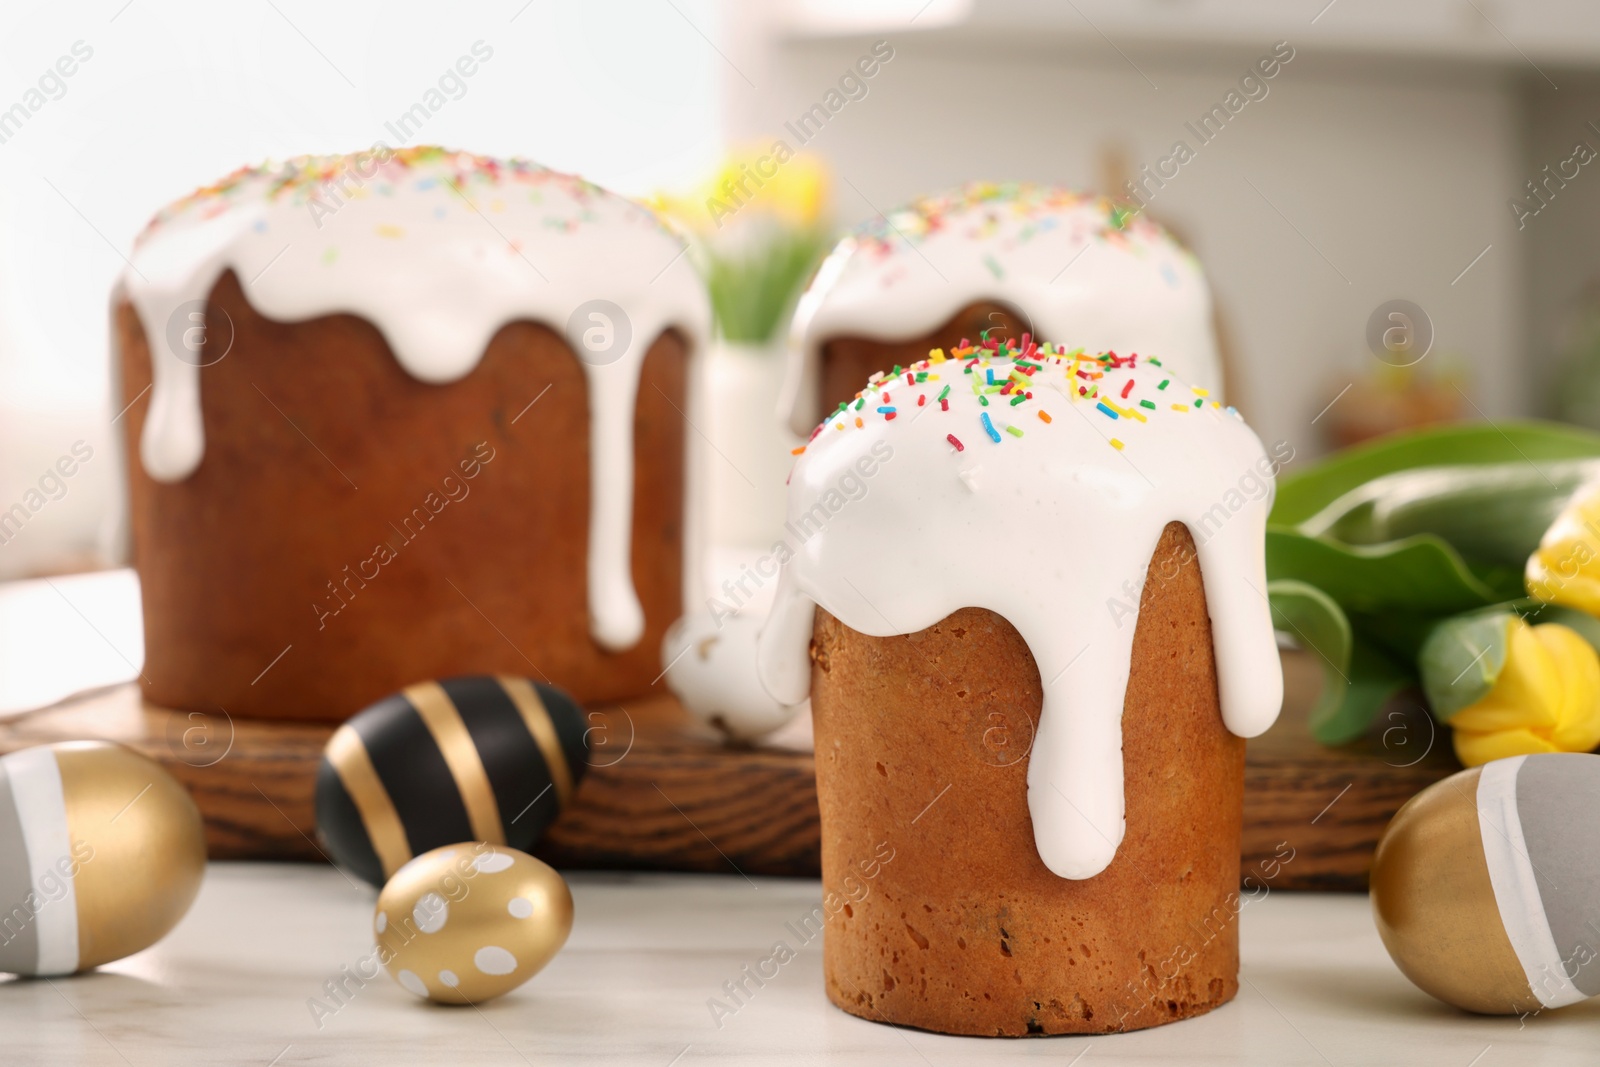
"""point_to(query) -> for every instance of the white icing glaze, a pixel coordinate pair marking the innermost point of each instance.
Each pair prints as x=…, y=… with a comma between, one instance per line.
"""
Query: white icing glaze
x=1054, y=531
x=1073, y=265
x=438, y=250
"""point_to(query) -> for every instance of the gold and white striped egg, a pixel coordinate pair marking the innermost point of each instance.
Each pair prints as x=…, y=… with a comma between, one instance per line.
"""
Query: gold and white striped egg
x=465, y=923
x=101, y=853
x=1486, y=886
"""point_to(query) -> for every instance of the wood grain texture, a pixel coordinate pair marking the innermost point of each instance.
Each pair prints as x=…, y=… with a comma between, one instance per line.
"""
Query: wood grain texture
x=1327, y=807
x=663, y=793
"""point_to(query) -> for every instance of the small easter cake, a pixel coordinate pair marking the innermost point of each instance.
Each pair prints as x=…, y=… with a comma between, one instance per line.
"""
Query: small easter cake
x=405, y=414
x=1027, y=599
x=1011, y=258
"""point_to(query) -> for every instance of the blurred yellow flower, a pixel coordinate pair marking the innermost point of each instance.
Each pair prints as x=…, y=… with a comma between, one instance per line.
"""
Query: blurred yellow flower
x=1565, y=568
x=1546, y=699
x=756, y=229
x=795, y=191
x=774, y=183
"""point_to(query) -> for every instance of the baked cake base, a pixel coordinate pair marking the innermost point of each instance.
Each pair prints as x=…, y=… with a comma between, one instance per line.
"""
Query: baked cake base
x=939, y=913
x=352, y=529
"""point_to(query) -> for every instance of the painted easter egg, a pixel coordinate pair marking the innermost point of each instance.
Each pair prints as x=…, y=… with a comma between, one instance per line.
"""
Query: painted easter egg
x=1486, y=886
x=101, y=853
x=711, y=668
x=478, y=758
x=465, y=923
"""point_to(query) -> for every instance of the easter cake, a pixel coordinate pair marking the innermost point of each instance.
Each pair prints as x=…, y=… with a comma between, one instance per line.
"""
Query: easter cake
x=1027, y=602
x=405, y=414
x=1011, y=258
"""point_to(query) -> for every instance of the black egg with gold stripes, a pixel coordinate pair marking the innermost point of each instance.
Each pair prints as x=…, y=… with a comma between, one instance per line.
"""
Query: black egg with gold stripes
x=477, y=758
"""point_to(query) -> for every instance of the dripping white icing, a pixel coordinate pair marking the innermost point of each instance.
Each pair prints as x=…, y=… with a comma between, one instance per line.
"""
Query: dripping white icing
x=1054, y=531
x=438, y=250
x=1057, y=257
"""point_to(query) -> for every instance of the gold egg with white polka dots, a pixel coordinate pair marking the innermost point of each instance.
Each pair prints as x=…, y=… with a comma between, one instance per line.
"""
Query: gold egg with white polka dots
x=466, y=923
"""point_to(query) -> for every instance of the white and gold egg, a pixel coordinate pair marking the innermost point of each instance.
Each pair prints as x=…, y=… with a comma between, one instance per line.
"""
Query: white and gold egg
x=465, y=923
x=101, y=853
x=1486, y=886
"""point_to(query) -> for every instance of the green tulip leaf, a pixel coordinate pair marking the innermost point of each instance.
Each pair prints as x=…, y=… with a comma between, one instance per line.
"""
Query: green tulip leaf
x=1492, y=513
x=1418, y=574
x=1401, y=634
x=1462, y=659
x=1356, y=679
x=752, y=292
x=1302, y=495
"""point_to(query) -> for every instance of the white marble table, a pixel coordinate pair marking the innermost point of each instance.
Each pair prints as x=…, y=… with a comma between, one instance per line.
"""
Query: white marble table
x=231, y=986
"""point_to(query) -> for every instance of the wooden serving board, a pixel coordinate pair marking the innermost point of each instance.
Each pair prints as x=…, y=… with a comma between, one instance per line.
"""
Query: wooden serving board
x=663, y=793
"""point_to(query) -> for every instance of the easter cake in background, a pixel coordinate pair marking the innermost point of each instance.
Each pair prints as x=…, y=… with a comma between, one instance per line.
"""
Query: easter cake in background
x=400, y=415
x=1012, y=258
x=1029, y=612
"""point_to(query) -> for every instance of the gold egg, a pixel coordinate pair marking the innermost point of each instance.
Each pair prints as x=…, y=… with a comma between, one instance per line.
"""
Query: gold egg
x=101, y=853
x=465, y=923
x=1482, y=883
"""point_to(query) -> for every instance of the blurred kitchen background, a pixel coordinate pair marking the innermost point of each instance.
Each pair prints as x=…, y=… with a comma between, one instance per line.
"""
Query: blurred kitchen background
x=1384, y=162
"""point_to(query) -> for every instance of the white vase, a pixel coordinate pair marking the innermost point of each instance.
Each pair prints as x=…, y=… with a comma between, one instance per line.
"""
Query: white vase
x=709, y=654
x=750, y=457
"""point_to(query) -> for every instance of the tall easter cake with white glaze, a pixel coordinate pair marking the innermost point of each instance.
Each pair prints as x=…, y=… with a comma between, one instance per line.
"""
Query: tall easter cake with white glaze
x=1027, y=599
x=1008, y=257
x=405, y=414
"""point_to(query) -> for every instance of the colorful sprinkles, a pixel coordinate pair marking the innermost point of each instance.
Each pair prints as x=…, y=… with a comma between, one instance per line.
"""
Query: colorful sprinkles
x=1013, y=213
x=1014, y=370
x=460, y=177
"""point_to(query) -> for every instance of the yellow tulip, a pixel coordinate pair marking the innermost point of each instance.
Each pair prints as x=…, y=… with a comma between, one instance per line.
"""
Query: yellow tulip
x=1565, y=569
x=755, y=183
x=1546, y=699
x=796, y=193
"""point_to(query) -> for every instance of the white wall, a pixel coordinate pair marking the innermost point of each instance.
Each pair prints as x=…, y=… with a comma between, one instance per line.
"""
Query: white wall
x=1397, y=174
x=1562, y=242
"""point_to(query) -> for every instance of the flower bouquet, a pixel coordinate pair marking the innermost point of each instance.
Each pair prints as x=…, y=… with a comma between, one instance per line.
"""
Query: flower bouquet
x=1464, y=560
x=757, y=229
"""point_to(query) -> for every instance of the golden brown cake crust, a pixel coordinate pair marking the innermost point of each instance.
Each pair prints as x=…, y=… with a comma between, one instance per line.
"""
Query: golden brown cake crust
x=234, y=558
x=847, y=362
x=920, y=742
